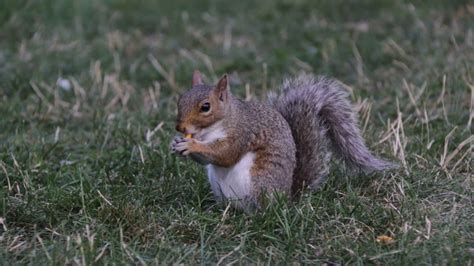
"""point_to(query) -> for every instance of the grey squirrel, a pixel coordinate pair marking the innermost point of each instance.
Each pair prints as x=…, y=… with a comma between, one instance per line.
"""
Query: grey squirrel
x=253, y=149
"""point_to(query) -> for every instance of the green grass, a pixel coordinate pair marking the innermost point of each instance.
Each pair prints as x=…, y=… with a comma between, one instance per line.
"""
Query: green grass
x=86, y=179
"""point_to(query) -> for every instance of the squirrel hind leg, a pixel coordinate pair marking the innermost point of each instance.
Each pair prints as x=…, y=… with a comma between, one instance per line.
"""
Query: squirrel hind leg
x=312, y=157
x=318, y=181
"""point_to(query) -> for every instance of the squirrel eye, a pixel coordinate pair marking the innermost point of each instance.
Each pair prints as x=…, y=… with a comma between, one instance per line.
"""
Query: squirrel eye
x=205, y=107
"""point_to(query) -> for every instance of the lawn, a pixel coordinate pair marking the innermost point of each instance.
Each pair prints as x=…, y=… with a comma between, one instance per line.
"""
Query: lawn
x=88, y=94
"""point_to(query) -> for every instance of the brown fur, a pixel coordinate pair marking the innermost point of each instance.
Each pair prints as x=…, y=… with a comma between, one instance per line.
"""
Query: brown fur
x=189, y=114
x=270, y=138
x=292, y=136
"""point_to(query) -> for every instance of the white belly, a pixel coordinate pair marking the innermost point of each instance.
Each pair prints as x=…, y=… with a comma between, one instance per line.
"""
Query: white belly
x=233, y=183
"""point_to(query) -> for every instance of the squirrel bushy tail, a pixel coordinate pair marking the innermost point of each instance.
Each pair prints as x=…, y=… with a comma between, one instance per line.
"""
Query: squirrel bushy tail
x=322, y=120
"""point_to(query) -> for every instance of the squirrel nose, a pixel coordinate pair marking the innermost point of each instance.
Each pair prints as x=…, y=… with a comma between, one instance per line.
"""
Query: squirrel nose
x=180, y=127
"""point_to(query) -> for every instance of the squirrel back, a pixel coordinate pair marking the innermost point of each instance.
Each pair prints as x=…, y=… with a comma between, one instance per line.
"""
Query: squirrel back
x=322, y=120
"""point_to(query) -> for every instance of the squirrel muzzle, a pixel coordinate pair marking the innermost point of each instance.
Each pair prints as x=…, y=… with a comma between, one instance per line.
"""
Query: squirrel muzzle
x=180, y=127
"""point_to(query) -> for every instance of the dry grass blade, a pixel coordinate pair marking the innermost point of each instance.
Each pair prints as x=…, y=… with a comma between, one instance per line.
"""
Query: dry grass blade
x=4, y=224
x=366, y=111
x=105, y=199
x=447, y=159
x=359, y=64
x=2, y=165
x=130, y=253
x=413, y=100
x=394, y=46
x=226, y=44
x=471, y=109
x=207, y=62
x=40, y=240
x=393, y=252
x=400, y=141
x=101, y=252
x=446, y=146
x=441, y=99
x=167, y=75
x=153, y=96
x=221, y=260
x=41, y=95
x=150, y=133
x=17, y=244
x=248, y=93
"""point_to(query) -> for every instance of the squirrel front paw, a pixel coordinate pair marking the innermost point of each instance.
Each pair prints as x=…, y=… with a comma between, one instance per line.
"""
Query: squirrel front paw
x=181, y=145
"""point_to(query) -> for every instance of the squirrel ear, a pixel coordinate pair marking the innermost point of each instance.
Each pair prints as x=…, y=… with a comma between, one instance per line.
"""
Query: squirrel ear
x=197, y=79
x=221, y=87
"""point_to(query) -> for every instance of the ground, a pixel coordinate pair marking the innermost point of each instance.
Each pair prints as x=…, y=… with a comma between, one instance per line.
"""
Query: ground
x=88, y=95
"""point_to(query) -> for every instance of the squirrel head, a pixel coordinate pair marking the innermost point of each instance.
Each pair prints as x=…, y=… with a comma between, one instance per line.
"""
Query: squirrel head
x=202, y=105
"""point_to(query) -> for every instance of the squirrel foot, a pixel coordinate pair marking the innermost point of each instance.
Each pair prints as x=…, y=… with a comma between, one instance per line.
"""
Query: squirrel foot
x=182, y=146
x=178, y=146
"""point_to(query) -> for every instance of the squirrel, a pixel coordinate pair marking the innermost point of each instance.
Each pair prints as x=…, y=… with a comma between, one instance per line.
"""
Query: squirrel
x=253, y=149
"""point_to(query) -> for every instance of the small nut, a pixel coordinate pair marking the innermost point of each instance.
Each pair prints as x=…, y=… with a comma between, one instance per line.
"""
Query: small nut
x=384, y=239
x=188, y=136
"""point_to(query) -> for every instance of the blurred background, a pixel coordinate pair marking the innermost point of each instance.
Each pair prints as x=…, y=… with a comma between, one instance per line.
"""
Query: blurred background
x=371, y=44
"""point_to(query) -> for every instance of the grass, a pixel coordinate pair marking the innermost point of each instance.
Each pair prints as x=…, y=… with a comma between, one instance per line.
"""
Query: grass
x=86, y=175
